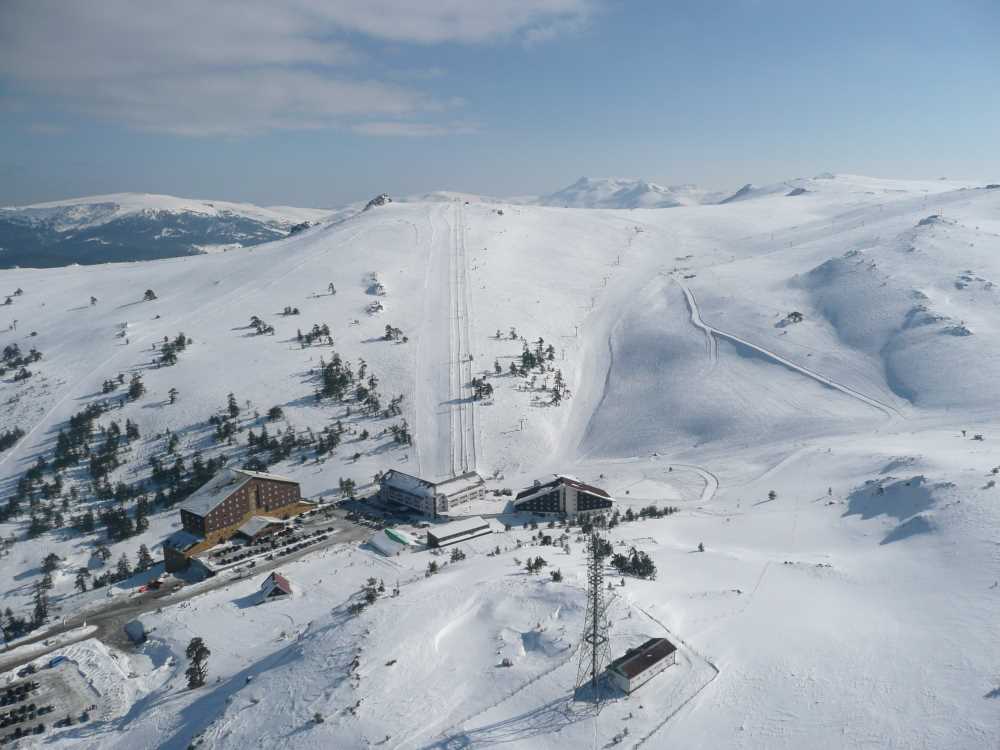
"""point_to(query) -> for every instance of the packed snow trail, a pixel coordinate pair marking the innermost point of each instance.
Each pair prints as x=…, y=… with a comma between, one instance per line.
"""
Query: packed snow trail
x=445, y=429
x=463, y=440
x=713, y=332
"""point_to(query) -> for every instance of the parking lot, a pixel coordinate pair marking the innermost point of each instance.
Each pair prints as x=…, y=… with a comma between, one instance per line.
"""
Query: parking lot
x=48, y=698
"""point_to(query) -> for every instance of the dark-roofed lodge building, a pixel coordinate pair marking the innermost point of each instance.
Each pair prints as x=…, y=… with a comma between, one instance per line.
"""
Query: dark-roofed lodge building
x=563, y=496
x=231, y=497
x=225, y=503
x=639, y=665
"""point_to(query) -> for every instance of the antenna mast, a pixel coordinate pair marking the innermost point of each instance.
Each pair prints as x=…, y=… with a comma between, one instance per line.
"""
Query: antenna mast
x=594, y=644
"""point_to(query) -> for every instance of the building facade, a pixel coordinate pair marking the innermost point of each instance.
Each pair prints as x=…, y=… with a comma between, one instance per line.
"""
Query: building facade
x=563, y=496
x=234, y=496
x=431, y=497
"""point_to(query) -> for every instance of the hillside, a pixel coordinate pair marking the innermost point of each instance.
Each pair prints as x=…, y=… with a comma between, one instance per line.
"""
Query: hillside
x=137, y=226
x=809, y=380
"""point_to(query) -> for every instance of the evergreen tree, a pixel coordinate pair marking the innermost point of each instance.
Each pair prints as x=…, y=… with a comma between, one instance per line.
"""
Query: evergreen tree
x=197, y=653
x=144, y=560
x=50, y=563
x=41, y=611
x=81, y=579
x=124, y=569
x=136, y=388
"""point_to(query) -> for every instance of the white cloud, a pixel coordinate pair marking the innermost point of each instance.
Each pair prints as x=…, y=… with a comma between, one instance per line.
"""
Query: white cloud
x=386, y=128
x=245, y=66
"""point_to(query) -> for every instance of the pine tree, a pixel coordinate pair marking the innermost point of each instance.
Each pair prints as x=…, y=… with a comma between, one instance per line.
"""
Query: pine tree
x=50, y=563
x=124, y=569
x=172, y=395
x=232, y=406
x=136, y=388
x=144, y=560
x=197, y=653
x=41, y=611
x=81, y=580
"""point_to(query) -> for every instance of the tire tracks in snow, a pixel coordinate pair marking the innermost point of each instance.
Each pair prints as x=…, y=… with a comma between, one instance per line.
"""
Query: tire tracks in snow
x=714, y=333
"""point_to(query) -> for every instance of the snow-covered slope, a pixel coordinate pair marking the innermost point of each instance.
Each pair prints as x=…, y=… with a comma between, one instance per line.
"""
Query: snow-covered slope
x=617, y=192
x=138, y=226
x=836, y=348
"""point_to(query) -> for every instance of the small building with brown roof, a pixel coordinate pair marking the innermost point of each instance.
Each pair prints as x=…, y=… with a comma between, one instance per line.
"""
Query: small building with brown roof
x=564, y=496
x=639, y=665
x=275, y=586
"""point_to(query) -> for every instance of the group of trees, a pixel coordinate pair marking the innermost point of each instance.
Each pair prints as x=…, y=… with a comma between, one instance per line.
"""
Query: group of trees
x=394, y=334
x=13, y=359
x=481, y=389
x=318, y=333
x=636, y=563
x=535, y=564
x=368, y=595
x=401, y=433
x=110, y=386
x=9, y=437
x=648, y=511
x=170, y=349
x=260, y=326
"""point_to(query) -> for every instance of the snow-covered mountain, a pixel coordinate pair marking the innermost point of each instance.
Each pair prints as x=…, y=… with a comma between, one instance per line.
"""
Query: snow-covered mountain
x=617, y=192
x=811, y=380
x=137, y=226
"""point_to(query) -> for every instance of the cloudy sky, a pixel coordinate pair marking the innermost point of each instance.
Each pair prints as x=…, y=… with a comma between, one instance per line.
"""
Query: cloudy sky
x=320, y=102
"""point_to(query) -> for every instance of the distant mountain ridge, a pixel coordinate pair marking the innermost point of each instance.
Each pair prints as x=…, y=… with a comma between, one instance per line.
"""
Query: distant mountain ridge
x=137, y=226
x=619, y=192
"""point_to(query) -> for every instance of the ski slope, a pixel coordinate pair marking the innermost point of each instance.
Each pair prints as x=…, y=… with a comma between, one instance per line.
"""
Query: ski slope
x=854, y=609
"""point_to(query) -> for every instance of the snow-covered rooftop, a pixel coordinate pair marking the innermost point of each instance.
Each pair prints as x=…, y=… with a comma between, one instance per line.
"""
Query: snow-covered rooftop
x=214, y=491
x=408, y=483
x=257, y=524
x=459, y=484
x=181, y=540
x=462, y=526
x=426, y=488
x=221, y=486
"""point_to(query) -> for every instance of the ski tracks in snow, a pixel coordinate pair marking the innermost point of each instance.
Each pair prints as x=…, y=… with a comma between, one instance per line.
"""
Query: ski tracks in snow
x=713, y=333
x=463, y=428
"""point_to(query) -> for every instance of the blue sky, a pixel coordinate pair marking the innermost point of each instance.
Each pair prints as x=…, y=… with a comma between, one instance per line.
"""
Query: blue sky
x=321, y=102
